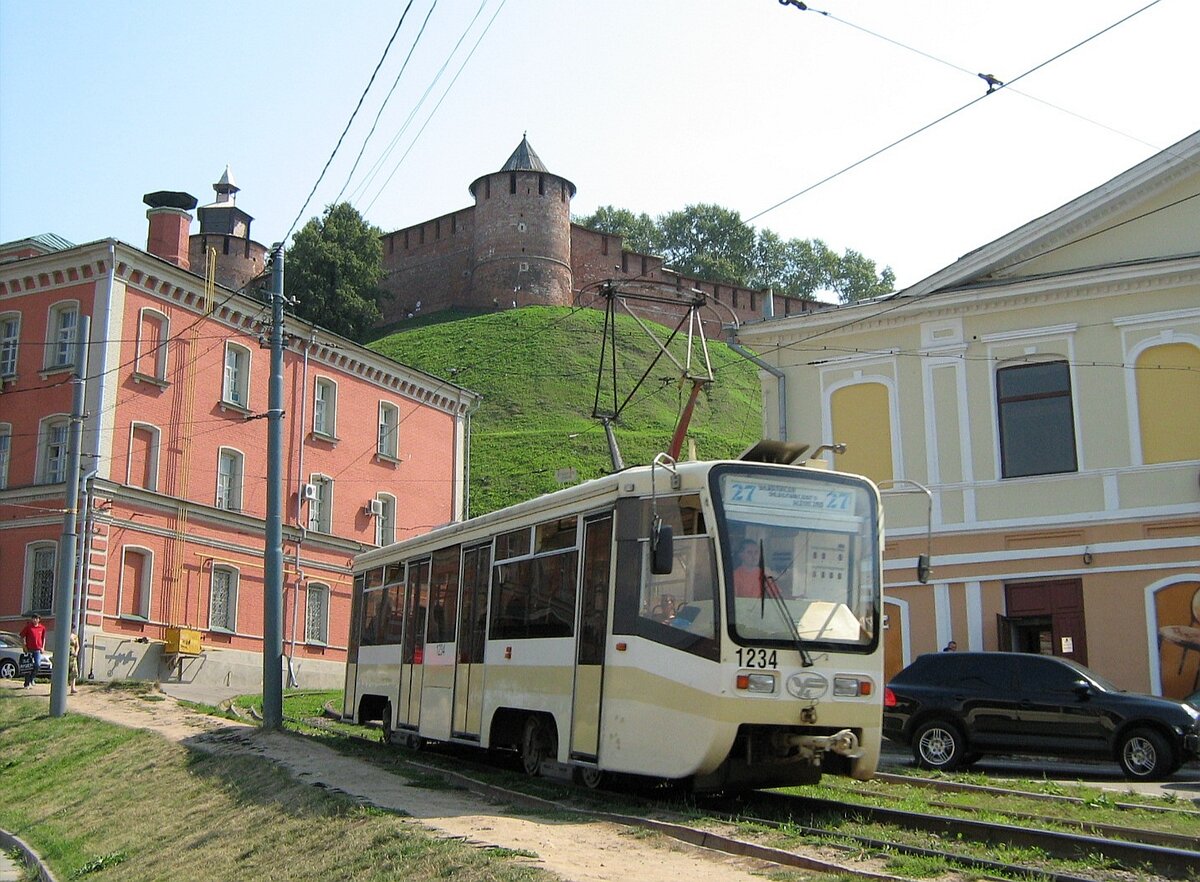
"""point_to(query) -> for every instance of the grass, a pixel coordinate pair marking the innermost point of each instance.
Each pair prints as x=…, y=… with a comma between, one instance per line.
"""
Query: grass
x=536, y=369
x=103, y=802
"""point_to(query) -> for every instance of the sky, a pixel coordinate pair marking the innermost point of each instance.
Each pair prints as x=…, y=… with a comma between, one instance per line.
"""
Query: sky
x=649, y=105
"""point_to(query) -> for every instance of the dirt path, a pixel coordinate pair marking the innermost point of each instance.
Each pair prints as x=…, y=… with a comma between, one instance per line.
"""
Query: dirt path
x=583, y=852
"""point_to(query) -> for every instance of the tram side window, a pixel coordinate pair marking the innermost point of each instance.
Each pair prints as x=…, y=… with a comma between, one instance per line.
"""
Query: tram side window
x=512, y=544
x=678, y=609
x=534, y=597
x=443, y=596
x=371, y=607
x=391, y=614
x=356, y=603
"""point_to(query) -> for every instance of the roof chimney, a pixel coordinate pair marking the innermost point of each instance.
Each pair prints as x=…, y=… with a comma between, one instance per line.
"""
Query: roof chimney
x=170, y=224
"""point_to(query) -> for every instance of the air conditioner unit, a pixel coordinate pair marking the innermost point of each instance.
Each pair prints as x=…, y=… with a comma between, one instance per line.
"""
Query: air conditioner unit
x=374, y=507
x=308, y=491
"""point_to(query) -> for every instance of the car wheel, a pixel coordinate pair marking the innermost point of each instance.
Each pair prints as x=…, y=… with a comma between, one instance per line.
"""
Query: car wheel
x=1145, y=755
x=8, y=669
x=938, y=745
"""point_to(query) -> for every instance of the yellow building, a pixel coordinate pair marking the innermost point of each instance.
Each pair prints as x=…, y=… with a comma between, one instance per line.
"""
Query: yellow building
x=1045, y=388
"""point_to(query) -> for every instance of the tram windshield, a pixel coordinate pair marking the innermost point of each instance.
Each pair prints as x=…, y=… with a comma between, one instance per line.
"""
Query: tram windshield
x=800, y=557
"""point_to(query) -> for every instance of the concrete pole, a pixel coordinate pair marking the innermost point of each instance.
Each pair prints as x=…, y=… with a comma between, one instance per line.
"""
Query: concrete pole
x=273, y=558
x=64, y=578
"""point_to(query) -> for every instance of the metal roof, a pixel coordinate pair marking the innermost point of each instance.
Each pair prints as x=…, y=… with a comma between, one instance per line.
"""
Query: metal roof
x=524, y=159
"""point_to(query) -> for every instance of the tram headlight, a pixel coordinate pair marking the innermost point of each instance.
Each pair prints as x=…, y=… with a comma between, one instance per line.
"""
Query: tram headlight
x=851, y=687
x=762, y=683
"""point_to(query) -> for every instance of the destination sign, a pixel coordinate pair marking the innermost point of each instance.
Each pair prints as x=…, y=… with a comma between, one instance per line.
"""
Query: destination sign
x=785, y=496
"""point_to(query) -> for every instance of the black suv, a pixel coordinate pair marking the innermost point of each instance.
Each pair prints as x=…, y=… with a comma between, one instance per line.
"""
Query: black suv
x=953, y=707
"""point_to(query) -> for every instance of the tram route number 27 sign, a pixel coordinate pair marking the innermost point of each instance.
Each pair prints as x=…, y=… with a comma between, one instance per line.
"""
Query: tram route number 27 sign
x=789, y=496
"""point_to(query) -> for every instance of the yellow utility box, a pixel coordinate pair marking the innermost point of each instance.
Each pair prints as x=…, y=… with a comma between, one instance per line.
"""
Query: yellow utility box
x=182, y=641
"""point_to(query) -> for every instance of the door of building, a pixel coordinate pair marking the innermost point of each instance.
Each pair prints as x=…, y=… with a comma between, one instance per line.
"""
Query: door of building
x=1045, y=618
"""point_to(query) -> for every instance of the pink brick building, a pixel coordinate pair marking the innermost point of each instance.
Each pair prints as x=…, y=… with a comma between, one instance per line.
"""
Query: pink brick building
x=174, y=464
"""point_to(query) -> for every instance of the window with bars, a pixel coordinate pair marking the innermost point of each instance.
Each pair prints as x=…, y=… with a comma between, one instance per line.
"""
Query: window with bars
x=222, y=603
x=316, y=615
x=40, y=566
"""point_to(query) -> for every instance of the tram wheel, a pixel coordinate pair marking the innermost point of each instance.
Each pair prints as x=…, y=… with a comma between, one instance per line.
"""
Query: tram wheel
x=537, y=745
x=590, y=777
x=387, y=723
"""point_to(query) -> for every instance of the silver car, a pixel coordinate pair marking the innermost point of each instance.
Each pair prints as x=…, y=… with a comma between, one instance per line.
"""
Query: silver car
x=12, y=647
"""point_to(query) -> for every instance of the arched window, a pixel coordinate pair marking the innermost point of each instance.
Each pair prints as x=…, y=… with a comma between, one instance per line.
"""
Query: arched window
x=143, y=456
x=10, y=340
x=229, y=479
x=236, y=387
x=385, y=520
x=325, y=408
x=41, y=559
x=316, y=614
x=389, y=430
x=52, y=449
x=153, y=334
x=137, y=567
x=62, y=325
x=222, y=600
x=1168, y=389
x=861, y=419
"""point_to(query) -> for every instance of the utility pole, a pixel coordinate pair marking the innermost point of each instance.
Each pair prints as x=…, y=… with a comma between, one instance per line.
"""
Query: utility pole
x=273, y=557
x=64, y=577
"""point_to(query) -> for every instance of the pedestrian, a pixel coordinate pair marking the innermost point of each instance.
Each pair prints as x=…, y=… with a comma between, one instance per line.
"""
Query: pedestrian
x=34, y=635
x=73, y=662
x=952, y=646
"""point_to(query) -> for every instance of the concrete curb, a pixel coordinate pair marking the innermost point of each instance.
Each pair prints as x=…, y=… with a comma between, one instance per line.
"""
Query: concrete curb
x=11, y=842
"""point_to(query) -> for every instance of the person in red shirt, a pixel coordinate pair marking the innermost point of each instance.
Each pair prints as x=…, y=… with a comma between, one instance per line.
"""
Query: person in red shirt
x=34, y=635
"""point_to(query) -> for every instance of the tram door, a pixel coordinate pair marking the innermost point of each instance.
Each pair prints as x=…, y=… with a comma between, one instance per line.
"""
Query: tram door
x=592, y=631
x=412, y=647
x=472, y=634
x=441, y=648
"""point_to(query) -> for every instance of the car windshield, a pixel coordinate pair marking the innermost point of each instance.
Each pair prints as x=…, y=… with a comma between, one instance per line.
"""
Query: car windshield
x=799, y=557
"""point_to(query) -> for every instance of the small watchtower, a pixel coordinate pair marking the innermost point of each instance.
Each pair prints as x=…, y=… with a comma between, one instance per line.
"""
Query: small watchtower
x=521, y=248
x=226, y=228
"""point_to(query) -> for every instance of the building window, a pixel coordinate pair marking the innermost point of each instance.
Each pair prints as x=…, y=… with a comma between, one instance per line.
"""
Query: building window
x=389, y=430
x=143, y=456
x=325, y=407
x=861, y=419
x=236, y=388
x=10, y=339
x=222, y=601
x=512, y=182
x=134, y=594
x=229, y=479
x=5, y=448
x=52, y=451
x=385, y=520
x=1037, y=429
x=41, y=560
x=62, y=328
x=152, y=345
x=316, y=614
x=1168, y=387
x=320, y=504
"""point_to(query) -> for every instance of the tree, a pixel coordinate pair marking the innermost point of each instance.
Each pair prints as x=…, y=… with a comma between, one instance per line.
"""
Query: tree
x=856, y=279
x=640, y=232
x=333, y=270
x=709, y=242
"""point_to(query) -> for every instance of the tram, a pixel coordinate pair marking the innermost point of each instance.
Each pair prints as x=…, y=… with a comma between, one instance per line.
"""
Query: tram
x=715, y=623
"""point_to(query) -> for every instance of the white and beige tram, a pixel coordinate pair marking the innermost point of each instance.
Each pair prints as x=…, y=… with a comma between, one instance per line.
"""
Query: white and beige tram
x=716, y=623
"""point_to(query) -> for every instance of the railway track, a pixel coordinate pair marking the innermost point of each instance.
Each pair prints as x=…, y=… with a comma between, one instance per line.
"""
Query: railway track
x=1112, y=852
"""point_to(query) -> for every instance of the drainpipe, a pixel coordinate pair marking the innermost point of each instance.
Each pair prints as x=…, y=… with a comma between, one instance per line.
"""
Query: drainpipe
x=292, y=681
x=85, y=551
x=779, y=375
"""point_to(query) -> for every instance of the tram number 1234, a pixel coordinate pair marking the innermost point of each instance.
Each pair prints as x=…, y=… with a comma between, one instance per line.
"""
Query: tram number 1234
x=758, y=658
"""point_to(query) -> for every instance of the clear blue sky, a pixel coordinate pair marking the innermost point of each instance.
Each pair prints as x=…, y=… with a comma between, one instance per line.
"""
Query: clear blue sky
x=644, y=104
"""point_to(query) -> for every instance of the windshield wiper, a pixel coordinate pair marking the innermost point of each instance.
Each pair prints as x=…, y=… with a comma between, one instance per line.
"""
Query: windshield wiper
x=767, y=585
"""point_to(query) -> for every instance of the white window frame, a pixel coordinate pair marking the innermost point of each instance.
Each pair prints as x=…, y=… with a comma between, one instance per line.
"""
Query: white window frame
x=388, y=442
x=10, y=344
x=230, y=484
x=152, y=456
x=385, y=521
x=320, y=508
x=157, y=358
x=32, y=550
x=147, y=582
x=235, y=378
x=231, y=602
x=52, y=448
x=325, y=407
x=62, y=332
x=5, y=452
x=316, y=615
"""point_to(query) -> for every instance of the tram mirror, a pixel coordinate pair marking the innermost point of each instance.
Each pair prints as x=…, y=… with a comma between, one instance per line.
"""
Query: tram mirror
x=662, y=550
x=923, y=568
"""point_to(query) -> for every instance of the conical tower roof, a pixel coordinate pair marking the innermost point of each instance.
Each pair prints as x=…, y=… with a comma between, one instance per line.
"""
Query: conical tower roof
x=524, y=158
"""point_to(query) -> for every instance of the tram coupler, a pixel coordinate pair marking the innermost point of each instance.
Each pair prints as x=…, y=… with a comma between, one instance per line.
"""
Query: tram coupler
x=843, y=743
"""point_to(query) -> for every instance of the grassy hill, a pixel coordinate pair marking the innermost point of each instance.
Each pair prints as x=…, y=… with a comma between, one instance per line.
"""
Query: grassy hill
x=536, y=369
